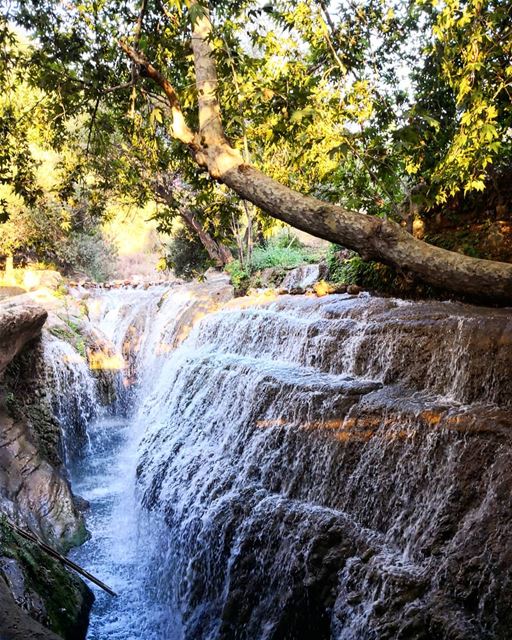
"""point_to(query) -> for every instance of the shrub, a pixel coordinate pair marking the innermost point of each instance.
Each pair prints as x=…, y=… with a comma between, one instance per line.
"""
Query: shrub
x=275, y=256
x=186, y=255
x=89, y=253
x=240, y=277
x=286, y=239
x=349, y=268
x=284, y=250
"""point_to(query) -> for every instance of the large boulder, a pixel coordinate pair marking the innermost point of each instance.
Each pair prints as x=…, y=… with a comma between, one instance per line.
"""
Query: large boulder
x=34, y=279
x=38, y=597
x=302, y=278
x=20, y=322
x=33, y=491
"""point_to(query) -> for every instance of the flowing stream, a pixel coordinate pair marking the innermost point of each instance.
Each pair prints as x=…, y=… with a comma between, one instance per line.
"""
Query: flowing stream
x=121, y=540
x=300, y=468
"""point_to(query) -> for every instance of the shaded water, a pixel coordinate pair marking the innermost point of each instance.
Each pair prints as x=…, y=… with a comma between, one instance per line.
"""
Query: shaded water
x=306, y=469
x=121, y=545
x=73, y=393
x=125, y=551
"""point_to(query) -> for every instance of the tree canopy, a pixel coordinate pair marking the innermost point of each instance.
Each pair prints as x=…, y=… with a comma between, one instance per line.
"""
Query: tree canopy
x=379, y=107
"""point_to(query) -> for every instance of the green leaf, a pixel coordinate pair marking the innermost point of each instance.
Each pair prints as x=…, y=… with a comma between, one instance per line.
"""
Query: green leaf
x=196, y=12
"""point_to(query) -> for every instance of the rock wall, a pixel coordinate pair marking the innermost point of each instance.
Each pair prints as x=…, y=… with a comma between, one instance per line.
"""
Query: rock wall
x=37, y=593
x=39, y=598
x=19, y=324
x=336, y=468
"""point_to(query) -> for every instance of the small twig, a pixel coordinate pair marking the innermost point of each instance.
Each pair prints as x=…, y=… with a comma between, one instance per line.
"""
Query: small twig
x=118, y=87
x=91, y=126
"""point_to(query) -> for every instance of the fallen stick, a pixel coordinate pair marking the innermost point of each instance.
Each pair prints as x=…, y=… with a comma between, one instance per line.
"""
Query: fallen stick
x=58, y=556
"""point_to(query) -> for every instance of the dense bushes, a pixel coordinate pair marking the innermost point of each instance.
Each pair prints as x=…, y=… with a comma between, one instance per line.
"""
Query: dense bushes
x=346, y=267
x=43, y=235
x=186, y=255
x=90, y=254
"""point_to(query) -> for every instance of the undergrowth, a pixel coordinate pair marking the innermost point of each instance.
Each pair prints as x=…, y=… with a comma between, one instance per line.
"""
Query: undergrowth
x=283, y=251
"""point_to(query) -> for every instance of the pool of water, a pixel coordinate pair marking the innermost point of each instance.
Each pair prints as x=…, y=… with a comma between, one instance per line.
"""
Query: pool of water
x=123, y=550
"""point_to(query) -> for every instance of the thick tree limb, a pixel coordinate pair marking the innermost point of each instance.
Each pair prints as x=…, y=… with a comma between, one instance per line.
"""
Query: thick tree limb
x=218, y=252
x=164, y=189
x=210, y=122
x=372, y=238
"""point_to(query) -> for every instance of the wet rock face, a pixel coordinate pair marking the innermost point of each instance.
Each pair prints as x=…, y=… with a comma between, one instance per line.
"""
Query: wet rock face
x=303, y=277
x=336, y=468
x=33, y=483
x=38, y=597
x=33, y=491
x=36, y=593
x=15, y=624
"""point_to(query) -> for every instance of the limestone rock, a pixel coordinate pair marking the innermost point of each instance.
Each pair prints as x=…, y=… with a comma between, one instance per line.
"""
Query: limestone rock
x=33, y=490
x=323, y=288
x=20, y=322
x=358, y=476
x=302, y=277
x=354, y=289
x=49, y=603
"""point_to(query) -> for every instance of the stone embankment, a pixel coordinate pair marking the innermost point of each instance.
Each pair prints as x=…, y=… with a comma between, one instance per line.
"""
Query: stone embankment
x=38, y=597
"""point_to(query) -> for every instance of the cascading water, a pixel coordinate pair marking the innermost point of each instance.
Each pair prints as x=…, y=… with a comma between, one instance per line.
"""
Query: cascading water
x=143, y=328
x=325, y=466
x=308, y=469
x=72, y=391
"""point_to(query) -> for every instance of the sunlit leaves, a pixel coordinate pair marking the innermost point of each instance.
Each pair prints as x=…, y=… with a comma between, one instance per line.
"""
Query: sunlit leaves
x=472, y=44
x=356, y=101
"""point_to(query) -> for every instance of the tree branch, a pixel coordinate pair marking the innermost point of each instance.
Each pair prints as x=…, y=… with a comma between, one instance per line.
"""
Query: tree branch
x=210, y=121
x=91, y=126
x=179, y=128
x=136, y=42
x=371, y=237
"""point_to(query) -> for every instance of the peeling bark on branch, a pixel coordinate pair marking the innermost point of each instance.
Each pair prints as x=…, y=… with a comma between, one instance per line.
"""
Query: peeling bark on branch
x=374, y=238
x=219, y=253
x=210, y=121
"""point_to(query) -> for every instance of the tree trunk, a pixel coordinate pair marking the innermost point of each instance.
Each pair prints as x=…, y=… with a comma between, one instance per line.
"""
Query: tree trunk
x=165, y=186
x=219, y=253
x=373, y=238
x=9, y=269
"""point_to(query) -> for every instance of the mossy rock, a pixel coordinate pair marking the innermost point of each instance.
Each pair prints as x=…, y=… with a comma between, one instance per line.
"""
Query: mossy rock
x=27, y=402
x=348, y=268
x=71, y=333
x=42, y=587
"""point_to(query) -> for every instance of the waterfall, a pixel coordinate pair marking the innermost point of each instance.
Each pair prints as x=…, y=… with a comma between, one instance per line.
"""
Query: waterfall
x=324, y=467
x=72, y=391
x=144, y=327
x=299, y=468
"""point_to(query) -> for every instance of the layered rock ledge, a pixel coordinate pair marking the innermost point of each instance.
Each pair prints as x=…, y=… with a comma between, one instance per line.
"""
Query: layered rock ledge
x=20, y=322
x=39, y=598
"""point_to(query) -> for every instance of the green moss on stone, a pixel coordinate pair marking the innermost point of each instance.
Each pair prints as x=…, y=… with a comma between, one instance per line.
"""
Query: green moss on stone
x=66, y=598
